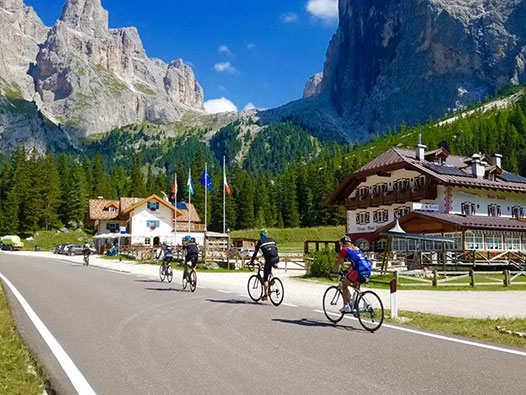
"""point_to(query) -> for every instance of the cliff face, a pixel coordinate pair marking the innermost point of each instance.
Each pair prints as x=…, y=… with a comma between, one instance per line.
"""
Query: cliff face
x=394, y=61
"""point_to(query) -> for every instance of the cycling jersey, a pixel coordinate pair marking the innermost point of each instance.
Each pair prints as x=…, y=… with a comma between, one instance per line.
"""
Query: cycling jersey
x=359, y=261
x=191, y=249
x=269, y=249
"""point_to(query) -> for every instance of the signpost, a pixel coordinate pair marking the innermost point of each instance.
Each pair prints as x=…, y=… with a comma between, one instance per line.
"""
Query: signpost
x=394, y=300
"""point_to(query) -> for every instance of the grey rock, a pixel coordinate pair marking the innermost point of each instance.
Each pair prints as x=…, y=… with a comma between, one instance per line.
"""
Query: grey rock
x=78, y=230
x=211, y=266
x=313, y=85
x=80, y=239
x=64, y=230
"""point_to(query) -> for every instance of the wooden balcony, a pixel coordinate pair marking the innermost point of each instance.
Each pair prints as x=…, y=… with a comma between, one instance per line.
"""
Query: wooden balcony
x=364, y=202
x=403, y=196
x=389, y=197
x=351, y=203
x=415, y=194
x=377, y=200
x=428, y=191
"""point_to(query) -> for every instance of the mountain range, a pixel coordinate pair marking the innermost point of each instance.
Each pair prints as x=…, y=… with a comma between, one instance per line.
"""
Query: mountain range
x=390, y=62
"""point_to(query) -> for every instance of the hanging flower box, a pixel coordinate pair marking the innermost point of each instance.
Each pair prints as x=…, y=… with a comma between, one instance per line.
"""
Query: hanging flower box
x=153, y=227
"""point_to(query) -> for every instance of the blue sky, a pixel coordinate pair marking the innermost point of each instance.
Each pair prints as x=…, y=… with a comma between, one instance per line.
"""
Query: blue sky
x=258, y=52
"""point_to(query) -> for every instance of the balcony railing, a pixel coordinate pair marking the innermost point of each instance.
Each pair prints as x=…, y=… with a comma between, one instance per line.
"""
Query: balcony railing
x=414, y=194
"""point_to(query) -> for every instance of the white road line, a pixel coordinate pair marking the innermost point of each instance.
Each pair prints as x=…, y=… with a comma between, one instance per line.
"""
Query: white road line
x=289, y=304
x=446, y=338
x=223, y=292
x=74, y=375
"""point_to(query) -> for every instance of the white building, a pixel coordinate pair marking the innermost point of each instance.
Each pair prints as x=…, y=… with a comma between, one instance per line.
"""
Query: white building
x=471, y=200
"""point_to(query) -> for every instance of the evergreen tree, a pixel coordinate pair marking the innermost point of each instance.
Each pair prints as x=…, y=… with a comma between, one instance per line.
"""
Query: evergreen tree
x=137, y=187
x=50, y=191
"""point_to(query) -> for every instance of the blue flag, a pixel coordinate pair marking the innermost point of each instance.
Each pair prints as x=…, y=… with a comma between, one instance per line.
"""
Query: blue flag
x=206, y=181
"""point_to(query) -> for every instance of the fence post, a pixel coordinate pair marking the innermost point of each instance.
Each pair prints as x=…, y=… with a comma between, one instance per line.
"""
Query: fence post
x=435, y=278
x=507, y=281
x=472, y=276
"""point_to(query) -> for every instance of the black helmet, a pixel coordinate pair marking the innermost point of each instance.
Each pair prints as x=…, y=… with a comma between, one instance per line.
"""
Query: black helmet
x=345, y=240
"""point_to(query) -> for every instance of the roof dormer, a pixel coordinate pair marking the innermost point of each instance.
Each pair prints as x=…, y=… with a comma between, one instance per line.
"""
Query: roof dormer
x=438, y=156
x=493, y=172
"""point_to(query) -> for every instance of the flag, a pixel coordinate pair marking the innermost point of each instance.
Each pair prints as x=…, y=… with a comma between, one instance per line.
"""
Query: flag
x=173, y=192
x=190, y=186
x=206, y=181
x=227, y=188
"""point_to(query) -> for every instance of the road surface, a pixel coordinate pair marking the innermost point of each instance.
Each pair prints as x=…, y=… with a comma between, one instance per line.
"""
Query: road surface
x=129, y=334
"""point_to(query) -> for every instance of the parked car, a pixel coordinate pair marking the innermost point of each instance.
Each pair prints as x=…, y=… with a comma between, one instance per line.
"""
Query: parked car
x=75, y=249
x=11, y=243
x=58, y=248
x=246, y=253
x=64, y=249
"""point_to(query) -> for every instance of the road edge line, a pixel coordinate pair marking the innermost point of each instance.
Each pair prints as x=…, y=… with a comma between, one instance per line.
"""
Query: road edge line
x=447, y=338
x=78, y=381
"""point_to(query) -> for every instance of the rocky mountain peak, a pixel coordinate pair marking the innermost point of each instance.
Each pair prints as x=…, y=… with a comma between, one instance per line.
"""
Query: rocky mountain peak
x=87, y=16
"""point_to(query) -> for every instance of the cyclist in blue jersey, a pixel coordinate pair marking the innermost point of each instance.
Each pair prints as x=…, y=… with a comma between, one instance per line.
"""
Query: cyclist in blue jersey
x=359, y=272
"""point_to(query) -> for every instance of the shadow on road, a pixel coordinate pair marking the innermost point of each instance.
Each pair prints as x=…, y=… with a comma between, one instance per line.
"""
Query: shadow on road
x=311, y=323
x=233, y=301
x=148, y=281
x=165, y=289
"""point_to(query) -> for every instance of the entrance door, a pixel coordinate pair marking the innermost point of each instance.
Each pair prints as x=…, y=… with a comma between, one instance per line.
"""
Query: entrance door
x=156, y=241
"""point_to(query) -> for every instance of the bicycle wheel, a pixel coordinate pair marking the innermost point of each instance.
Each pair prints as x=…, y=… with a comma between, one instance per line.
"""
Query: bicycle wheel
x=169, y=273
x=332, y=303
x=162, y=274
x=370, y=311
x=255, y=288
x=193, y=280
x=276, y=291
x=185, y=279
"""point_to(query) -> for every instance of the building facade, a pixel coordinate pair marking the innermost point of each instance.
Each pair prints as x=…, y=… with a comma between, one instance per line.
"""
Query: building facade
x=472, y=200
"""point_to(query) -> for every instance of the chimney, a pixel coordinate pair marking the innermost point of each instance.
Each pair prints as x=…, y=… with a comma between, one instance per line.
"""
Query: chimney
x=420, y=149
x=497, y=160
x=477, y=166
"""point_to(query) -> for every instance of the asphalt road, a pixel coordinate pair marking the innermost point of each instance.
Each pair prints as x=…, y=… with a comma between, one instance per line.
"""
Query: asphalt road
x=134, y=335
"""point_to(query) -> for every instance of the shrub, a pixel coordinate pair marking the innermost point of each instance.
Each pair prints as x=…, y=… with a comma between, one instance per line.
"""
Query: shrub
x=322, y=261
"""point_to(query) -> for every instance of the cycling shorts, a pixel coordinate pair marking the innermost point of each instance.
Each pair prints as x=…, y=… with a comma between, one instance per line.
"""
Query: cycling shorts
x=267, y=271
x=191, y=258
x=354, y=275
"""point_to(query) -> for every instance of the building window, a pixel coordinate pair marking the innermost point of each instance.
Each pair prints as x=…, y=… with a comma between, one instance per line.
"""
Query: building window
x=494, y=243
x=380, y=216
x=153, y=224
x=517, y=212
x=411, y=245
x=362, y=244
x=474, y=241
x=458, y=241
x=153, y=206
x=379, y=246
x=468, y=208
x=112, y=210
x=363, y=192
x=399, y=244
x=113, y=228
x=513, y=242
x=401, y=211
x=402, y=185
x=379, y=189
x=147, y=241
x=494, y=210
x=362, y=218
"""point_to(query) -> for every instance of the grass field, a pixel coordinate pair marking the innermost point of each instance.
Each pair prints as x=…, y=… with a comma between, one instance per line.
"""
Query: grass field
x=47, y=239
x=18, y=372
x=291, y=239
x=480, y=329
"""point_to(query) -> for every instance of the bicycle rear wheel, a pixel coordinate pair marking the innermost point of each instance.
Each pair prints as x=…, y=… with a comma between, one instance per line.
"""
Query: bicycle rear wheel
x=185, y=279
x=370, y=311
x=276, y=291
x=162, y=274
x=169, y=273
x=332, y=303
x=255, y=288
x=193, y=280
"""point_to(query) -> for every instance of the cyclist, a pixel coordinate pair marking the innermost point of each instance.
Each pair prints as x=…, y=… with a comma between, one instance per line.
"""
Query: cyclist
x=270, y=253
x=86, y=252
x=167, y=255
x=192, y=252
x=359, y=272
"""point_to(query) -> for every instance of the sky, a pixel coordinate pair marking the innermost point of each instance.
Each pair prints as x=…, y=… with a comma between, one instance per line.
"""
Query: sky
x=244, y=53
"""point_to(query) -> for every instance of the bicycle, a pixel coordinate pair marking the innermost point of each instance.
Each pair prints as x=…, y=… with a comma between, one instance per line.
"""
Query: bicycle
x=86, y=260
x=190, y=278
x=367, y=305
x=166, y=271
x=256, y=286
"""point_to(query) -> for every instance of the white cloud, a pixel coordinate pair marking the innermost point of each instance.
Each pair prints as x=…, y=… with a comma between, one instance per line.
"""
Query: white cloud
x=323, y=9
x=225, y=67
x=289, y=17
x=216, y=106
x=225, y=50
x=251, y=46
x=249, y=106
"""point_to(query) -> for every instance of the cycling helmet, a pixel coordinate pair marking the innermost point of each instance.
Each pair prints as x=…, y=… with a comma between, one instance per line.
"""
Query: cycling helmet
x=345, y=240
x=263, y=232
x=187, y=238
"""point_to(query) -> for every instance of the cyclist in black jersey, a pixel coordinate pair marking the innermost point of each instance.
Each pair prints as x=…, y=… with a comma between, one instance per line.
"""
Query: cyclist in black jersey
x=192, y=252
x=270, y=253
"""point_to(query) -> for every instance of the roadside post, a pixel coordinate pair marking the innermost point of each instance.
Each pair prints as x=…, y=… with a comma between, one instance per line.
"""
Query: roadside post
x=394, y=300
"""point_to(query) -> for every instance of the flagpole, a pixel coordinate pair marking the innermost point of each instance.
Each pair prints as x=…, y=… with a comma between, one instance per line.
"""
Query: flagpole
x=224, y=196
x=175, y=204
x=189, y=197
x=206, y=195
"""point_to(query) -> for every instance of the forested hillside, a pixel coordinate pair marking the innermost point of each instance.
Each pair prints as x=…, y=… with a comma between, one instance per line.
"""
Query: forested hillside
x=280, y=176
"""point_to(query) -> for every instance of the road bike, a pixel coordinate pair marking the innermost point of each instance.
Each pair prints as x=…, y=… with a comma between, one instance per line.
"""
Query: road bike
x=86, y=260
x=190, y=279
x=256, y=286
x=367, y=305
x=166, y=271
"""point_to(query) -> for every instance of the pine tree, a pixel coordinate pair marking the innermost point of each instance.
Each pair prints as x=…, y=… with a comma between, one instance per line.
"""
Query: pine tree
x=137, y=187
x=51, y=192
x=99, y=184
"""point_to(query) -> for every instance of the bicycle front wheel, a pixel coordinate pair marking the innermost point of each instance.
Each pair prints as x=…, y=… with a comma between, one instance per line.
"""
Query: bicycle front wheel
x=332, y=303
x=370, y=311
x=185, y=279
x=162, y=274
x=255, y=288
x=276, y=291
x=169, y=274
x=193, y=280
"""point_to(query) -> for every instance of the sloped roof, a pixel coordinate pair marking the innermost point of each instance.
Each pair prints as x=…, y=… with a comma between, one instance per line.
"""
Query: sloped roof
x=97, y=209
x=399, y=158
x=189, y=211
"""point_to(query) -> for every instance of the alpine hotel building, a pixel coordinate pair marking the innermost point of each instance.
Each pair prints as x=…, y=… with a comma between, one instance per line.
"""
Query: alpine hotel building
x=472, y=200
